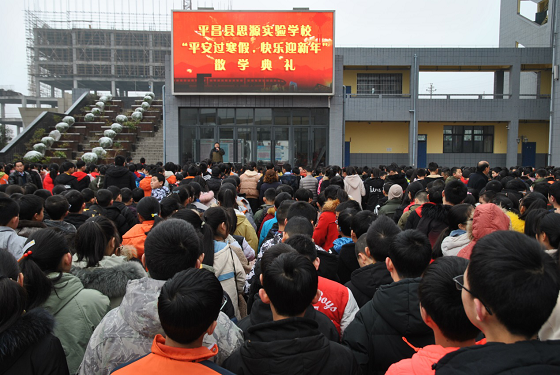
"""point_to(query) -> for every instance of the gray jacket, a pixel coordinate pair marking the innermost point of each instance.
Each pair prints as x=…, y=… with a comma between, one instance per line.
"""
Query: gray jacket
x=10, y=241
x=128, y=331
x=310, y=183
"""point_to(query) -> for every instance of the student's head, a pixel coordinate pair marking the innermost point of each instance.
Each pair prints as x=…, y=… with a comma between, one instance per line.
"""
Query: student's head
x=119, y=160
x=304, y=245
x=270, y=195
x=43, y=193
x=282, y=211
x=297, y=225
x=148, y=209
x=289, y=285
x=410, y=253
x=96, y=237
x=57, y=207
x=75, y=201
x=554, y=193
x=137, y=194
x=379, y=237
x=547, y=231
x=455, y=192
x=126, y=195
x=88, y=195
x=273, y=252
x=227, y=196
x=189, y=305
x=284, y=188
x=31, y=207
x=303, y=209
x=441, y=301
x=9, y=212
x=168, y=206
x=104, y=197
x=67, y=167
x=345, y=221
x=459, y=215
x=361, y=222
x=303, y=195
x=513, y=284
x=45, y=251
x=171, y=247
x=157, y=181
x=12, y=294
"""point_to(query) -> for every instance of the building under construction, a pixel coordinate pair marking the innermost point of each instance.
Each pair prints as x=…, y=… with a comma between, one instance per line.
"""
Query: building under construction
x=108, y=46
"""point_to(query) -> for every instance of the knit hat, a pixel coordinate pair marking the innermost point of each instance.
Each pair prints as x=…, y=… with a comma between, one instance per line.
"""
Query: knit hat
x=395, y=192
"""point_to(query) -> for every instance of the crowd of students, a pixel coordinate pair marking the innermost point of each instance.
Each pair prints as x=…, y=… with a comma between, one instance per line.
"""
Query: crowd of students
x=215, y=268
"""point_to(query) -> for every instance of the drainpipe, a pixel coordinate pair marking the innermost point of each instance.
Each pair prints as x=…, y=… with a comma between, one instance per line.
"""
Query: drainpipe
x=163, y=128
x=343, y=125
x=414, y=135
x=552, y=12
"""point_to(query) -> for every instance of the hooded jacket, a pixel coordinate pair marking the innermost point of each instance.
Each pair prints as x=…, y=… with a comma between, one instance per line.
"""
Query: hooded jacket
x=376, y=334
x=245, y=229
x=374, y=192
x=399, y=179
x=523, y=357
x=366, y=280
x=450, y=246
x=229, y=271
x=77, y=312
x=76, y=219
x=326, y=230
x=69, y=181
x=3, y=178
x=83, y=180
x=109, y=277
x=214, y=184
x=420, y=363
x=136, y=236
x=120, y=176
x=261, y=313
x=29, y=347
x=290, y=346
x=127, y=332
x=390, y=207
x=248, y=185
x=487, y=218
x=354, y=186
x=433, y=221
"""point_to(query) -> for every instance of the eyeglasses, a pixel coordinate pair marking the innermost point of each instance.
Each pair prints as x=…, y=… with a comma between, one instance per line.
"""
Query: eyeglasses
x=459, y=284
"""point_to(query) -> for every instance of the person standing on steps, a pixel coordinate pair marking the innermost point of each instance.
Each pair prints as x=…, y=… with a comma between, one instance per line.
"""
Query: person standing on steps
x=217, y=154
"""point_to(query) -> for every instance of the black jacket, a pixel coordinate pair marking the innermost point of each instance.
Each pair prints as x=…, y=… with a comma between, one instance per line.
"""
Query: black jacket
x=261, y=313
x=76, y=219
x=290, y=179
x=374, y=191
x=119, y=176
x=214, y=184
x=376, y=334
x=477, y=181
x=112, y=213
x=290, y=346
x=16, y=179
x=36, y=179
x=328, y=265
x=366, y=280
x=433, y=221
x=347, y=262
x=130, y=216
x=66, y=180
x=29, y=347
x=399, y=179
x=524, y=357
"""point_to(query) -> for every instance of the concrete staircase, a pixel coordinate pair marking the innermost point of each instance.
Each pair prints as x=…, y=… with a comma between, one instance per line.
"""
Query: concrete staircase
x=149, y=147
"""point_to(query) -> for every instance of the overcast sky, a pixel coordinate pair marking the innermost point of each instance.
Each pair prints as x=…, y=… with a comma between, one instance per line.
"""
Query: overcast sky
x=369, y=23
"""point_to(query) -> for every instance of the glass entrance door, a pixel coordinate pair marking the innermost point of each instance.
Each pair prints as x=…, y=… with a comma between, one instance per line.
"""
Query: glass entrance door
x=226, y=140
x=301, y=146
x=245, y=145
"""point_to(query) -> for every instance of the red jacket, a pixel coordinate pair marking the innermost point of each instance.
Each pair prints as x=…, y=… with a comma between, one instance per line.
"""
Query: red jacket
x=333, y=302
x=165, y=359
x=48, y=183
x=326, y=230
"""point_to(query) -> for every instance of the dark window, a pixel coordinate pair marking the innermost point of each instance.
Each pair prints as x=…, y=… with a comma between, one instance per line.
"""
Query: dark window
x=468, y=139
x=379, y=84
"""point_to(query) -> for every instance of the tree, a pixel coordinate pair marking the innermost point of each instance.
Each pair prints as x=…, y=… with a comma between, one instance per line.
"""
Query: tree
x=6, y=135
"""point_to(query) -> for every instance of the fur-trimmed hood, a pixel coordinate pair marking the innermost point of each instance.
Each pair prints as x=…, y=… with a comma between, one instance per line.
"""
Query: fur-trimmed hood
x=25, y=332
x=110, y=281
x=207, y=198
x=436, y=212
x=330, y=205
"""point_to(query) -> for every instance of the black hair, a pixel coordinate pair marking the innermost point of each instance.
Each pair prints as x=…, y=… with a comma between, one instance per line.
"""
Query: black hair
x=511, y=274
x=149, y=208
x=410, y=252
x=182, y=194
x=104, y=197
x=29, y=205
x=270, y=194
x=12, y=295
x=281, y=198
x=345, y=221
x=8, y=210
x=361, y=222
x=168, y=206
x=29, y=188
x=549, y=225
x=42, y=193
x=88, y=194
x=92, y=239
x=455, y=192
x=137, y=194
x=348, y=204
x=438, y=294
x=554, y=191
x=434, y=194
x=532, y=221
x=53, y=171
x=282, y=211
x=298, y=225
x=532, y=201
x=40, y=259
x=495, y=186
x=227, y=196
x=303, y=209
x=188, y=304
x=56, y=207
x=304, y=245
x=459, y=214
x=160, y=177
x=272, y=253
x=119, y=160
x=379, y=237
x=213, y=217
x=542, y=187
x=284, y=188
x=204, y=232
x=303, y=195
x=126, y=195
x=516, y=185
x=66, y=166
x=290, y=281
x=170, y=247
x=75, y=200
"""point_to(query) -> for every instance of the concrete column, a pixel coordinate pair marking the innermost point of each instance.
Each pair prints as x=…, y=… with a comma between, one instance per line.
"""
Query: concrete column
x=113, y=88
x=113, y=65
x=74, y=60
x=336, y=116
x=2, y=110
x=151, y=59
x=498, y=84
x=52, y=92
x=512, y=135
x=413, y=125
x=36, y=66
x=554, y=133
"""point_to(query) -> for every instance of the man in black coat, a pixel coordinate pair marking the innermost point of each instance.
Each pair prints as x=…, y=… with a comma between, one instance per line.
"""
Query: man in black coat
x=291, y=343
x=119, y=175
x=509, y=291
x=479, y=179
x=19, y=176
x=65, y=177
x=377, y=334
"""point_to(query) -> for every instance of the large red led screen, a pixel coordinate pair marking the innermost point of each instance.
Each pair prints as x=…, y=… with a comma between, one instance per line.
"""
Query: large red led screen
x=281, y=52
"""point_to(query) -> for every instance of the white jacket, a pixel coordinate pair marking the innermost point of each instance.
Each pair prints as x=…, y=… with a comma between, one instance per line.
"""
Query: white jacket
x=354, y=186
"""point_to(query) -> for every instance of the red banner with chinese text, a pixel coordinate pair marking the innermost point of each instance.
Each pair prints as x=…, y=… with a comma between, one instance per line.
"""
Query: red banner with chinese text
x=228, y=52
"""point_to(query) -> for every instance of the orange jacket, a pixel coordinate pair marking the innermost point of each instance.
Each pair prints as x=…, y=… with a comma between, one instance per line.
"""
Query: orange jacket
x=136, y=236
x=169, y=360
